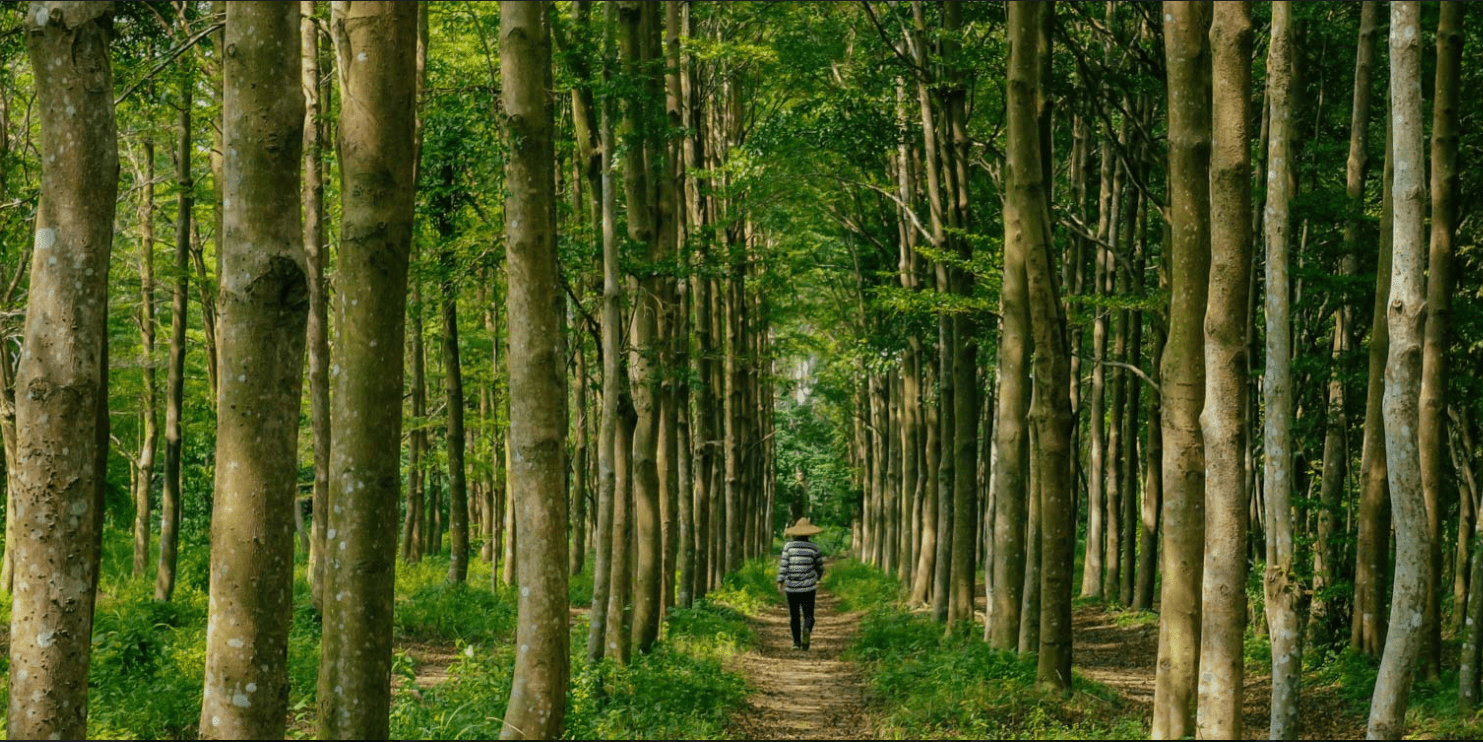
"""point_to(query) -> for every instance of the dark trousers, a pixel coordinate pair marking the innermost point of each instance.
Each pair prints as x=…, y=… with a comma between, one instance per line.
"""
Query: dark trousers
x=800, y=602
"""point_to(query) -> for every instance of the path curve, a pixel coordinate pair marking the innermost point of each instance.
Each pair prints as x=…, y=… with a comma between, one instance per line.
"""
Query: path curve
x=802, y=695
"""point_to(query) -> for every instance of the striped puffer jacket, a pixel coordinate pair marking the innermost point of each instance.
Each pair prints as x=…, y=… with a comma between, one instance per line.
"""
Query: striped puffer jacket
x=801, y=566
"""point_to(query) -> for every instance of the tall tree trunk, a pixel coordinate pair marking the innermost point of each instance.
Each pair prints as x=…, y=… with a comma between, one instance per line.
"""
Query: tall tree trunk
x=1372, y=547
x=1406, y=315
x=609, y=545
x=537, y=707
x=1092, y=564
x=265, y=304
x=56, y=477
x=1187, y=50
x=417, y=529
x=1223, y=422
x=147, y=448
x=643, y=358
x=376, y=43
x=316, y=257
x=1011, y=478
x=965, y=330
x=1285, y=599
x=1472, y=634
x=164, y=586
x=1432, y=428
x=1028, y=221
x=1326, y=550
x=458, y=491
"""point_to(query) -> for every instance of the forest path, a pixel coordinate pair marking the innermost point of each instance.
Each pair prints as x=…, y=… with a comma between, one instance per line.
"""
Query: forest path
x=803, y=695
x=1123, y=654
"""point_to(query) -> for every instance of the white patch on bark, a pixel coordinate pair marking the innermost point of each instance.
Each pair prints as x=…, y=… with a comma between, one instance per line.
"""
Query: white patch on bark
x=45, y=638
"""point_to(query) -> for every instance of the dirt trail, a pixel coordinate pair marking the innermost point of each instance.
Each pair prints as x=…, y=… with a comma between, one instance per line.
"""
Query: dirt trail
x=1124, y=658
x=802, y=695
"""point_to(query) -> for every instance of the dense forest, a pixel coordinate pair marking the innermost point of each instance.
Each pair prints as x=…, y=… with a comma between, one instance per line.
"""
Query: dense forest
x=453, y=369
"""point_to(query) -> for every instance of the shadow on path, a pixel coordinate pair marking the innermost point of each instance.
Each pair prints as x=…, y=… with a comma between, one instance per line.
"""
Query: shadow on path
x=802, y=695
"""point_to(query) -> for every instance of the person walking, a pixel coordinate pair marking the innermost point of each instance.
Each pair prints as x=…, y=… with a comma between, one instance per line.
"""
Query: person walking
x=799, y=571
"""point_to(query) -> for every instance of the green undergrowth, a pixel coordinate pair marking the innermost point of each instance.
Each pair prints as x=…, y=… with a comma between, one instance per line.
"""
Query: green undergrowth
x=928, y=686
x=860, y=586
x=681, y=690
x=148, y=657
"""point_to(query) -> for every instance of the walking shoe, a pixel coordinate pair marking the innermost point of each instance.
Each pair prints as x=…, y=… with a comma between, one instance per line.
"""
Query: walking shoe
x=797, y=647
x=806, y=633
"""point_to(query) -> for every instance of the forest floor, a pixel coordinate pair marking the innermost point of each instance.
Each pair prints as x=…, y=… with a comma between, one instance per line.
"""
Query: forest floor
x=803, y=695
x=819, y=695
x=1123, y=655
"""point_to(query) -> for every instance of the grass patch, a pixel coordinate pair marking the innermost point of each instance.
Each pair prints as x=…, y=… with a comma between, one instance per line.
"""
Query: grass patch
x=751, y=589
x=860, y=587
x=933, y=687
x=148, y=659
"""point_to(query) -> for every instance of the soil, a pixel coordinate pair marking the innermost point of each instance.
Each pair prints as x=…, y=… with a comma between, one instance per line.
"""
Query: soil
x=813, y=694
x=818, y=695
x=1124, y=657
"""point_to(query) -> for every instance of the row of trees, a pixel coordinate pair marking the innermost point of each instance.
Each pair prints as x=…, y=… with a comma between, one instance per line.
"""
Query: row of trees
x=1175, y=320
x=680, y=487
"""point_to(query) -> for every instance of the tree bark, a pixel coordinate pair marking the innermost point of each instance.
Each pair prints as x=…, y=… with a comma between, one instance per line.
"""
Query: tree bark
x=643, y=360
x=1406, y=316
x=1223, y=421
x=376, y=43
x=609, y=546
x=1326, y=550
x=1188, y=54
x=316, y=256
x=264, y=303
x=164, y=586
x=1372, y=547
x=1028, y=221
x=151, y=436
x=1285, y=598
x=63, y=372
x=1432, y=415
x=537, y=706
x=1011, y=491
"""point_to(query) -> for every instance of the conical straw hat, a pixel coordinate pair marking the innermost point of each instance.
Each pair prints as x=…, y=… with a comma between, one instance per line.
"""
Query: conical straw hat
x=803, y=528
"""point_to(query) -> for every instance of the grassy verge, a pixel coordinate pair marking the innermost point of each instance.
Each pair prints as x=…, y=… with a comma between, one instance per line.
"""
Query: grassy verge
x=148, y=658
x=927, y=686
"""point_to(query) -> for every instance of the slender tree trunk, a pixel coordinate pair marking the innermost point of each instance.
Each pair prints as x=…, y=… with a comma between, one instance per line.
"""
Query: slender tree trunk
x=1186, y=47
x=1432, y=428
x=1472, y=634
x=1092, y=564
x=417, y=530
x=1028, y=221
x=377, y=44
x=145, y=468
x=609, y=546
x=537, y=707
x=1285, y=598
x=1011, y=491
x=1406, y=315
x=56, y=479
x=644, y=374
x=1372, y=547
x=1223, y=423
x=265, y=303
x=316, y=256
x=164, y=587
x=458, y=492
x=1326, y=550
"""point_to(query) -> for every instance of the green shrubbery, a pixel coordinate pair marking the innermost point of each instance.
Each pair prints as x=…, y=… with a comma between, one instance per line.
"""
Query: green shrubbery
x=149, y=657
x=930, y=686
